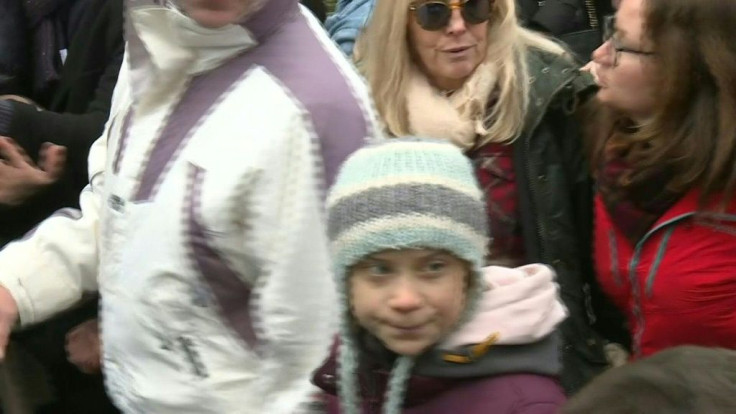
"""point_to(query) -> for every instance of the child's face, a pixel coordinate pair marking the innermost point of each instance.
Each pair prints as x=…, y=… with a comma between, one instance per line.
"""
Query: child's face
x=409, y=299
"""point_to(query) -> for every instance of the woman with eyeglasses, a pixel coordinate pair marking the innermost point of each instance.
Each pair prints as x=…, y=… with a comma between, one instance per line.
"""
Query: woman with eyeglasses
x=664, y=154
x=467, y=72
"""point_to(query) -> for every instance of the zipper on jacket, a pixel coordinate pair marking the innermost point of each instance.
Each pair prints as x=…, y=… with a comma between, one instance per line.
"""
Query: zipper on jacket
x=592, y=14
x=657, y=261
x=532, y=200
x=635, y=288
x=538, y=225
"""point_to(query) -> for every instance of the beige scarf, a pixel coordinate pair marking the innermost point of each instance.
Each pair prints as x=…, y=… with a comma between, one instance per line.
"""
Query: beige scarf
x=459, y=117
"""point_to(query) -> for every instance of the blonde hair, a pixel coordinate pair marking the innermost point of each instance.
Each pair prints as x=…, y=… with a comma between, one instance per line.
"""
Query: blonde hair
x=387, y=71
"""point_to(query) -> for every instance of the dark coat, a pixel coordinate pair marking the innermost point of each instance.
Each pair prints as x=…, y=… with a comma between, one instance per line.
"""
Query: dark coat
x=13, y=48
x=555, y=202
x=497, y=384
x=317, y=7
x=578, y=23
x=76, y=114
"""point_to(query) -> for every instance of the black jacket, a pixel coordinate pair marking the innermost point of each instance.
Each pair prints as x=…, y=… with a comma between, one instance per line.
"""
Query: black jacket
x=555, y=203
x=578, y=23
x=76, y=114
x=13, y=48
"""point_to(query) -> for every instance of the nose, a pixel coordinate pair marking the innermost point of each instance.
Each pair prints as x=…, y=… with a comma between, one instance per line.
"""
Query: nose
x=457, y=23
x=406, y=296
x=602, y=55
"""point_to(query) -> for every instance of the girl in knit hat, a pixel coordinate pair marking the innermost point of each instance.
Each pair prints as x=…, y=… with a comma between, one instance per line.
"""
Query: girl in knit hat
x=424, y=327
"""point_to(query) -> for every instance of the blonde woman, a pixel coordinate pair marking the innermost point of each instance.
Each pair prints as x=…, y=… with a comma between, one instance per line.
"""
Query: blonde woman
x=469, y=73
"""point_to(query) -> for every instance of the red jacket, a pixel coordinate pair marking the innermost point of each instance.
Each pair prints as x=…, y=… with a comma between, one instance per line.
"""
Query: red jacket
x=678, y=284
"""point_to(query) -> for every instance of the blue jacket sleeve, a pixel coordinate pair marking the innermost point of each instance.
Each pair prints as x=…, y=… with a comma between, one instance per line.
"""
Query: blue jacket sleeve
x=346, y=23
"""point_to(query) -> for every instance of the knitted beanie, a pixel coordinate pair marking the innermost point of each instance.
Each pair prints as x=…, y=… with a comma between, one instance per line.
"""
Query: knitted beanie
x=401, y=194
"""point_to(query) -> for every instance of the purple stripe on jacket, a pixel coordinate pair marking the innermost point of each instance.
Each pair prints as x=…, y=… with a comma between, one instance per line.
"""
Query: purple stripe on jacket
x=295, y=57
x=123, y=141
x=231, y=293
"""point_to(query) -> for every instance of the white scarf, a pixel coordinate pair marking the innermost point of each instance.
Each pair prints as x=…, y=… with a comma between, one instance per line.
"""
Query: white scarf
x=459, y=117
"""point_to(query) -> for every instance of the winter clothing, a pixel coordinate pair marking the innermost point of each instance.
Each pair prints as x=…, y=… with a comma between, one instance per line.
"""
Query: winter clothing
x=555, y=204
x=578, y=23
x=349, y=18
x=676, y=284
x=14, y=63
x=397, y=192
x=553, y=207
x=202, y=226
x=409, y=193
x=495, y=170
x=75, y=115
x=46, y=23
x=520, y=304
x=330, y=5
x=317, y=7
x=401, y=194
x=633, y=207
x=503, y=394
x=514, y=375
x=459, y=117
x=76, y=97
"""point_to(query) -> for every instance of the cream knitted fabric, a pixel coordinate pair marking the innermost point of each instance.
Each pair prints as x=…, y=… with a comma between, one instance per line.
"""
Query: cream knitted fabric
x=459, y=117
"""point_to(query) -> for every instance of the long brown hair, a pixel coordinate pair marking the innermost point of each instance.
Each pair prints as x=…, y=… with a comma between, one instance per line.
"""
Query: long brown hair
x=693, y=131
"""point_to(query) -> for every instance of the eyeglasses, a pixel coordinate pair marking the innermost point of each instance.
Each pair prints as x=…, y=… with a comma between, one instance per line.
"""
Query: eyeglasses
x=434, y=15
x=609, y=35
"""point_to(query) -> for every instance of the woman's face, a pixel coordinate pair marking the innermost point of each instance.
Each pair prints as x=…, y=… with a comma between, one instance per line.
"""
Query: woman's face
x=450, y=55
x=627, y=77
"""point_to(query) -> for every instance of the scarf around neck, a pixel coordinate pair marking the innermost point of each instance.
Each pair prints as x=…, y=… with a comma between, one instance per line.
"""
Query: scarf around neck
x=460, y=116
x=47, y=37
x=634, y=207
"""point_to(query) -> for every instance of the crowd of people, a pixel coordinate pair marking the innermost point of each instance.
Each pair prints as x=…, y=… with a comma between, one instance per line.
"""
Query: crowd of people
x=368, y=206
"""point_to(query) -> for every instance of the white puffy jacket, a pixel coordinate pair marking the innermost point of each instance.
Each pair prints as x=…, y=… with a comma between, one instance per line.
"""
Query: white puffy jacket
x=202, y=226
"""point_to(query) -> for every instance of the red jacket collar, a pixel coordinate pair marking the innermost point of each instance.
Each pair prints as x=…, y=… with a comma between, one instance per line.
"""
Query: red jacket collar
x=690, y=204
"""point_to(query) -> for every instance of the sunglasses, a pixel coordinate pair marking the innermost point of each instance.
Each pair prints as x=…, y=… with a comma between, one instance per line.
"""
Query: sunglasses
x=435, y=15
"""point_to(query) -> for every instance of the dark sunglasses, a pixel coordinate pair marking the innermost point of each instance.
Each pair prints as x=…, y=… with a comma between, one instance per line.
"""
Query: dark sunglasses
x=434, y=15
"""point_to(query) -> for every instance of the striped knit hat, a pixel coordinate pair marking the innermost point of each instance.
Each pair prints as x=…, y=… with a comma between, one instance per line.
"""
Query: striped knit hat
x=399, y=194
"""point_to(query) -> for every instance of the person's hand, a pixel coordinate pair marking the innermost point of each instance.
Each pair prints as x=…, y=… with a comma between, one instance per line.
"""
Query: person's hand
x=83, y=347
x=20, y=178
x=616, y=355
x=592, y=68
x=8, y=317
